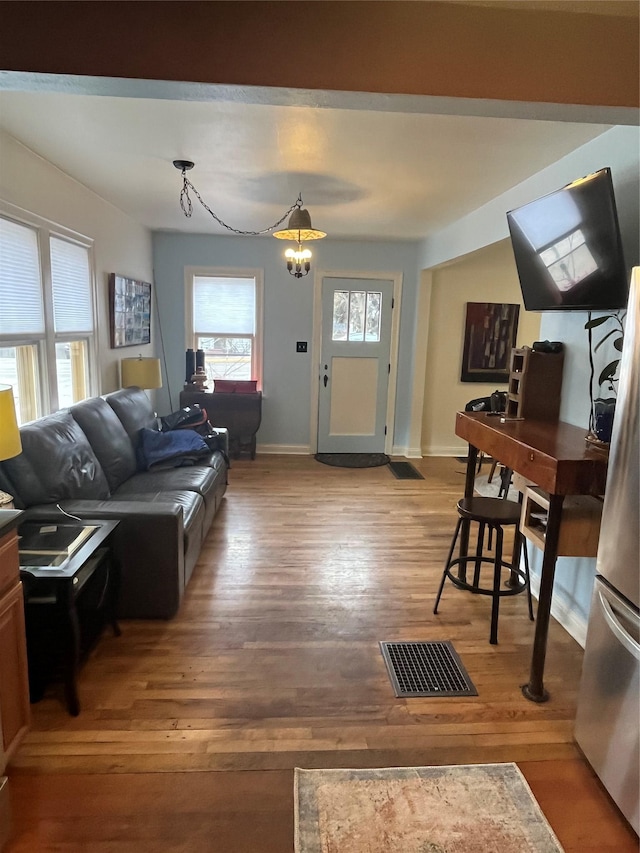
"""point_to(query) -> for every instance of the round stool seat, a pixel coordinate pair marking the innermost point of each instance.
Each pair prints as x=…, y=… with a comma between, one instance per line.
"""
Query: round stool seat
x=489, y=510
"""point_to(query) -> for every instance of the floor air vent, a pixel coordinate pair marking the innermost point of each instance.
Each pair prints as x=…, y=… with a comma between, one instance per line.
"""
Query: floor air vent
x=426, y=669
x=405, y=471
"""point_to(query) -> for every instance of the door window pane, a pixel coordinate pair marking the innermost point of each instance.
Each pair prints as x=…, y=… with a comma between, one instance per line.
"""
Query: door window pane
x=340, y=315
x=374, y=305
x=356, y=315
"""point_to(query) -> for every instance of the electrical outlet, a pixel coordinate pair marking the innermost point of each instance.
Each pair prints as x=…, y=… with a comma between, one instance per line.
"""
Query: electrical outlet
x=301, y=346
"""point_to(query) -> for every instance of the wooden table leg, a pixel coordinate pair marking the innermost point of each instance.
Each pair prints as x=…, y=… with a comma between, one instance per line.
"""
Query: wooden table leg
x=534, y=689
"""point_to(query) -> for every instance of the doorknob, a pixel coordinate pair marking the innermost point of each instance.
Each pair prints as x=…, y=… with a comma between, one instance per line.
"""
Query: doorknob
x=326, y=379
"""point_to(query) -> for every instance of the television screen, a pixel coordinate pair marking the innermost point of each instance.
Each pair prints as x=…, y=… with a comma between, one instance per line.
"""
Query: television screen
x=568, y=250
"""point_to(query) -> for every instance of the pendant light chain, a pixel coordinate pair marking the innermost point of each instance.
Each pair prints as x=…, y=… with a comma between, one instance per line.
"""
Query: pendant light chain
x=187, y=209
x=299, y=226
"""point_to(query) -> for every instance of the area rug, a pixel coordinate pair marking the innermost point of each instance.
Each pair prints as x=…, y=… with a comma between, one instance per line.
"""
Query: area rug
x=492, y=489
x=353, y=460
x=483, y=808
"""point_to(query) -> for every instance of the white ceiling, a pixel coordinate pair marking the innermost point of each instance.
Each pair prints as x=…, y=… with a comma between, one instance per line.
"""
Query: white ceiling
x=368, y=166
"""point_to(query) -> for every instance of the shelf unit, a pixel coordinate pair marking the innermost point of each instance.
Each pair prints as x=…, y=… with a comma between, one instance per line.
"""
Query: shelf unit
x=535, y=383
x=579, y=522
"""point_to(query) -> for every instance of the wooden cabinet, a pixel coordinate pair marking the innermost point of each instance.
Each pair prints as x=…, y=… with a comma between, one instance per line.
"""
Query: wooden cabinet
x=241, y=414
x=579, y=522
x=14, y=687
x=535, y=383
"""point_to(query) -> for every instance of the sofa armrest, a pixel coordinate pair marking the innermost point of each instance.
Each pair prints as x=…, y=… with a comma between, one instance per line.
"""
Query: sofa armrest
x=149, y=546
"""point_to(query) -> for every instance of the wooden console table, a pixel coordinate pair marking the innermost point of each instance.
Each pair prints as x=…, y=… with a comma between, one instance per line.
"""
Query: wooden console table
x=554, y=456
x=240, y=414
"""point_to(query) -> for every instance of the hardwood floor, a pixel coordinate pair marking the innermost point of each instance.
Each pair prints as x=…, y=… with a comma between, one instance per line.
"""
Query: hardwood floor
x=273, y=662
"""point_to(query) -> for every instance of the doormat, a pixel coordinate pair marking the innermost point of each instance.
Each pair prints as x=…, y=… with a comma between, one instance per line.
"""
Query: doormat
x=426, y=669
x=353, y=460
x=405, y=471
x=465, y=808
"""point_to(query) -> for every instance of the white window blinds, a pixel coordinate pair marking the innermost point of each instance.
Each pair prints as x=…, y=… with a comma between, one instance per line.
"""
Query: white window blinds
x=71, y=286
x=21, y=308
x=224, y=306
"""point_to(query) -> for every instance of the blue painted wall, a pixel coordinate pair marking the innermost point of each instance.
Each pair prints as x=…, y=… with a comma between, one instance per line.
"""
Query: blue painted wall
x=288, y=317
x=288, y=311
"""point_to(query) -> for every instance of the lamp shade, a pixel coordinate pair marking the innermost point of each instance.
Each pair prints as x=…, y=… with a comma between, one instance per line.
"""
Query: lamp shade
x=300, y=228
x=143, y=372
x=10, y=444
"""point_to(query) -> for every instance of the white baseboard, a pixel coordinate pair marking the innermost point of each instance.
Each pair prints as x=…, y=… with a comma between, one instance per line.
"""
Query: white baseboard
x=284, y=449
x=439, y=450
x=412, y=452
x=304, y=450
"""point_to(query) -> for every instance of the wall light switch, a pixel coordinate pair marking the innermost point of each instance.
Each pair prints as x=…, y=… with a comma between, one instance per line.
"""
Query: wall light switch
x=301, y=346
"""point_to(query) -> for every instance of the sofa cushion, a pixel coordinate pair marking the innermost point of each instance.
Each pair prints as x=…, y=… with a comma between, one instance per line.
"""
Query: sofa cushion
x=191, y=502
x=57, y=463
x=108, y=438
x=194, y=515
x=195, y=478
x=134, y=410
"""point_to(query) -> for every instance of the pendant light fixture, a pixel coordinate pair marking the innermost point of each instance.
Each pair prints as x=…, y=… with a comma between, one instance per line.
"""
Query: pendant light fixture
x=299, y=228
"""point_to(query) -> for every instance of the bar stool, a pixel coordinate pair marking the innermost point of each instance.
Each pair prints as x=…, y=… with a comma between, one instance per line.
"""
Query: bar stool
x=495, y=514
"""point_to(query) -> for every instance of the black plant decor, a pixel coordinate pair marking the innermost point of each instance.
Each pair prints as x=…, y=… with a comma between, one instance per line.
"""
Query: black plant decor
x=608, y=378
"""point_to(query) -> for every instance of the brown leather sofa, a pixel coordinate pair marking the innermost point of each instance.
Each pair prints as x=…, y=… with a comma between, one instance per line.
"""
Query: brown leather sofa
x=83, y=460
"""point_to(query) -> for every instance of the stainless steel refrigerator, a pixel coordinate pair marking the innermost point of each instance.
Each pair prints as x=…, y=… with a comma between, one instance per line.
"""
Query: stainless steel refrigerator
x=608, y=716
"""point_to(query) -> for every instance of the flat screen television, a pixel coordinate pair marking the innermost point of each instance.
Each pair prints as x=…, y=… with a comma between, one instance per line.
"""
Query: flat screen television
x=568, y=250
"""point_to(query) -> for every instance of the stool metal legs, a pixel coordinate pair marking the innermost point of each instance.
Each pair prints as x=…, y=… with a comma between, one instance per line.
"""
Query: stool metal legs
x=495, y=598
x=517, y=582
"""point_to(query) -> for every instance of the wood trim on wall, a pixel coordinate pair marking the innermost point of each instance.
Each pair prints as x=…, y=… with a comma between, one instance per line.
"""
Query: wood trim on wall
x=441, y=49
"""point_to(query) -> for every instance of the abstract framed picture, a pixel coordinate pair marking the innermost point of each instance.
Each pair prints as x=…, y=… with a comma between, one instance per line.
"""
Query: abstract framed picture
x=129, y=311
x=489, y=335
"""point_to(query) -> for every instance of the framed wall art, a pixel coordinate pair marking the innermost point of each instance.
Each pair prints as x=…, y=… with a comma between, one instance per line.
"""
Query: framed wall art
x=489, y=336
x=129, y=311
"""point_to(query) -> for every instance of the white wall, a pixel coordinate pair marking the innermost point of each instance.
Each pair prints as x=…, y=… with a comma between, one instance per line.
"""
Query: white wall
x=488, y=275
x=120, y=244
x=617, y=148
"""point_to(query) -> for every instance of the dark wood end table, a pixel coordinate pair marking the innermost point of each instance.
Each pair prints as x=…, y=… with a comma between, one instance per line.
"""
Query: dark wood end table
x=71, y=583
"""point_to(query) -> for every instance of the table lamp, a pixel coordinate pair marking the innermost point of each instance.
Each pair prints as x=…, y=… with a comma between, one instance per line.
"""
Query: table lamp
x=143, y=372
x=10, y=444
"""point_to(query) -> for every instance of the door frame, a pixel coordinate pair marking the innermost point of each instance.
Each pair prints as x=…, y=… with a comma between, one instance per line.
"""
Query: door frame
x=316, y=347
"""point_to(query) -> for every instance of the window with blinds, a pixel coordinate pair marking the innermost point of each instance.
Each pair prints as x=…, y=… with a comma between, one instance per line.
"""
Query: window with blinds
x=46, y=317
x=225, y=323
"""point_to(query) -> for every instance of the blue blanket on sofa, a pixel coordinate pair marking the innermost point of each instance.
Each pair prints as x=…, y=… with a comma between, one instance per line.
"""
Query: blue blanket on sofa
x=170, y=449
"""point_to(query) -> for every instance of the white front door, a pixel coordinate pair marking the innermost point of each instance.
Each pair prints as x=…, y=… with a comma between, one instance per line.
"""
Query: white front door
x=354, y=366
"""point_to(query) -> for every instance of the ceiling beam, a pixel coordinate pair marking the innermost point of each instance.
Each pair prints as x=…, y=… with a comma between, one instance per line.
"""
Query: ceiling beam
x=426, y=48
